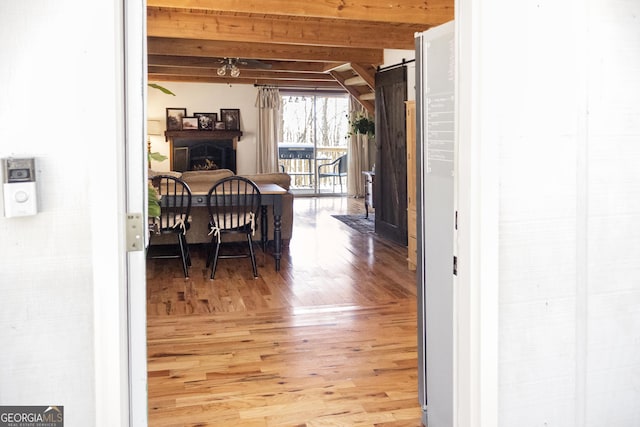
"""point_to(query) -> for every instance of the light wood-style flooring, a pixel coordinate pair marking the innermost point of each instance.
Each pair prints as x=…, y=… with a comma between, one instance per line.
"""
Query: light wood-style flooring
x=330, y=340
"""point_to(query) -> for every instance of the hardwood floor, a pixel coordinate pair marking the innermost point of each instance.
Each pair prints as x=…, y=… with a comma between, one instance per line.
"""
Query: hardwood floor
x=330, y=340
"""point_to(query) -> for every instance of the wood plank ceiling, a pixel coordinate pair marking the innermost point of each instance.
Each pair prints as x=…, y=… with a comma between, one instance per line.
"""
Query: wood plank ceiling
x=307, y=44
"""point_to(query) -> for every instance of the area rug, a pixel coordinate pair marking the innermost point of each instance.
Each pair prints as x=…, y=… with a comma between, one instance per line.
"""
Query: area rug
x=358, y=222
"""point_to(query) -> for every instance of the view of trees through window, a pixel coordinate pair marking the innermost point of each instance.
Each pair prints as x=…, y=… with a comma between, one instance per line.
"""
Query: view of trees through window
x=314, y=131
x=319, y=119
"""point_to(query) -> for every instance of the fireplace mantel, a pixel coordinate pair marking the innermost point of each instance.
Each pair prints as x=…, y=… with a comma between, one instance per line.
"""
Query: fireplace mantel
x=176, y=137
x=235, y=135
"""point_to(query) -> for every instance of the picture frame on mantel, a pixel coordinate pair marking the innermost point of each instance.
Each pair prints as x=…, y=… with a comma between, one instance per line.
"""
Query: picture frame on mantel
x=231, y=118
x=174, y=118
x=219, y=126
x=189, y=123
x=206, y=120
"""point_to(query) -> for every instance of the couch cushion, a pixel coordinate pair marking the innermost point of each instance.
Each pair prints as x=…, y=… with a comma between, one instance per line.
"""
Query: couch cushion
x=281, y=179
x=202, y=181
x=154, y=173
x=206, y=175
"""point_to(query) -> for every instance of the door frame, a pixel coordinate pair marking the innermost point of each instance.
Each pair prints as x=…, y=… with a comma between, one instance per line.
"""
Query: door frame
x=119, y=283
x=476, y=244
x=476, y=289
x=135, y=81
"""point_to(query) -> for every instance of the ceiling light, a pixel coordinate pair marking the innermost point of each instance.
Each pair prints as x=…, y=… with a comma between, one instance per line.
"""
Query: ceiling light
x=229, y=64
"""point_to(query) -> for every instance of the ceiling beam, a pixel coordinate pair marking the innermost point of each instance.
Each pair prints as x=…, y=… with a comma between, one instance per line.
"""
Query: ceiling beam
x=429, y=13
x=244, y=72
x=229, y=49
x=194, y=61
x=321, y=85
x=367, y=73
x=246, y=28
x=367, y=104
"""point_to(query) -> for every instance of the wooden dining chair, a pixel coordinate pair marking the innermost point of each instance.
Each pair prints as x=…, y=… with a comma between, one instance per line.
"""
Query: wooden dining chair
x=234, y=204
x=175, y=209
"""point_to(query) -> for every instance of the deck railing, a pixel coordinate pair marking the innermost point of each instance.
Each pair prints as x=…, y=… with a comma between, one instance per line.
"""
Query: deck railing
x=303, y=172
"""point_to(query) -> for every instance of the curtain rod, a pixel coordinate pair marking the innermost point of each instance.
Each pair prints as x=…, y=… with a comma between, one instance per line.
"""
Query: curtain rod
x=400, y=64
x=293, y=87
x=303, y=89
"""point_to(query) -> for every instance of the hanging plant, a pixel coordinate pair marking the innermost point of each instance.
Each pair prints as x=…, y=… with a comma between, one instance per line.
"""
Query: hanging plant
x=362, y=125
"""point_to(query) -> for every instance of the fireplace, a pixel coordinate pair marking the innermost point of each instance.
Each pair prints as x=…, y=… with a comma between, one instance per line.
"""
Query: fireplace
x=203, y=150
x=203, y=155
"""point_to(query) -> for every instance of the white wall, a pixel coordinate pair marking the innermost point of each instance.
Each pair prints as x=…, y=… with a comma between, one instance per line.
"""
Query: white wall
x=59, y=103
x=208, y=98
x=397, y=56
x=609, y=343
x=557, y=103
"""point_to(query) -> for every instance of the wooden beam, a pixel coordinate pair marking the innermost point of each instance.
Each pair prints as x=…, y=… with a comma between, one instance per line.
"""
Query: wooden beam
x=429, y=13
x=355, y=81
x=367, y=104
x=244, y=72
x=331, y=85
x=367, y=73
x=209, y=48
x=248, y=28
x=195, y=61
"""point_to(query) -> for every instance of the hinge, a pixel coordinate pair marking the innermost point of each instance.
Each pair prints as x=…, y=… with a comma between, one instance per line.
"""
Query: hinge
x=455, y=265
x=135, y=228
x=455, y=223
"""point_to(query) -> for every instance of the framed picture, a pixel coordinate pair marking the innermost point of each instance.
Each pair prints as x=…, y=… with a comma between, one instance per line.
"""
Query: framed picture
x=174, y=118
x=206, y=120
x=219, y=126
x=189, y=123
x=231, y=118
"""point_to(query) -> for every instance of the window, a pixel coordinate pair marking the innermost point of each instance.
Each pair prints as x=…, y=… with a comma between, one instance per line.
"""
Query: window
x=314, y=132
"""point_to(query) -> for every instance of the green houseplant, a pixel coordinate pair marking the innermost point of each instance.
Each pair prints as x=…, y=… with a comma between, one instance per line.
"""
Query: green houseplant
x=153, y=205
x=361, y=124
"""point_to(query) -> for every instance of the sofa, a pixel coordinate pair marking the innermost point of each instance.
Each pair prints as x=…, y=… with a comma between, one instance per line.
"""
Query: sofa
x=202, y=181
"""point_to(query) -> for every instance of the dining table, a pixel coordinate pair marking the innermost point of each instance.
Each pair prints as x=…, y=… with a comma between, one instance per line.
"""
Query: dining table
x=270, y=195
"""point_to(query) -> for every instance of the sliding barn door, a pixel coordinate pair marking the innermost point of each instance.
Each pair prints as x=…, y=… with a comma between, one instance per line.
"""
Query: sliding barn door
x=391, y=159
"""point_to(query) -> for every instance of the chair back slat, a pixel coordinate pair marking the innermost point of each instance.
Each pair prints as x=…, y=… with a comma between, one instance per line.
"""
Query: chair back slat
x=175, y=202
x=234, y=205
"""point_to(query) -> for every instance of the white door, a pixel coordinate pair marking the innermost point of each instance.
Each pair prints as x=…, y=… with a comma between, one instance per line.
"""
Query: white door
x=436, y=136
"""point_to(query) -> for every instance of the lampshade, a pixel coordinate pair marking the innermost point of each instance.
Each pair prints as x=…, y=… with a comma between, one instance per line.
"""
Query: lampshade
x=154, y=127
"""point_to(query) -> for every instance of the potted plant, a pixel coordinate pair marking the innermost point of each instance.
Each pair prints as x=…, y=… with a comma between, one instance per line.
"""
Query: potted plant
x=361, y=124
x=153, y=205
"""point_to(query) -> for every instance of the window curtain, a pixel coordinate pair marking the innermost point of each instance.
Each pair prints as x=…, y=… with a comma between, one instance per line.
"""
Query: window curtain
x=358, y=149
x=269, y=103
